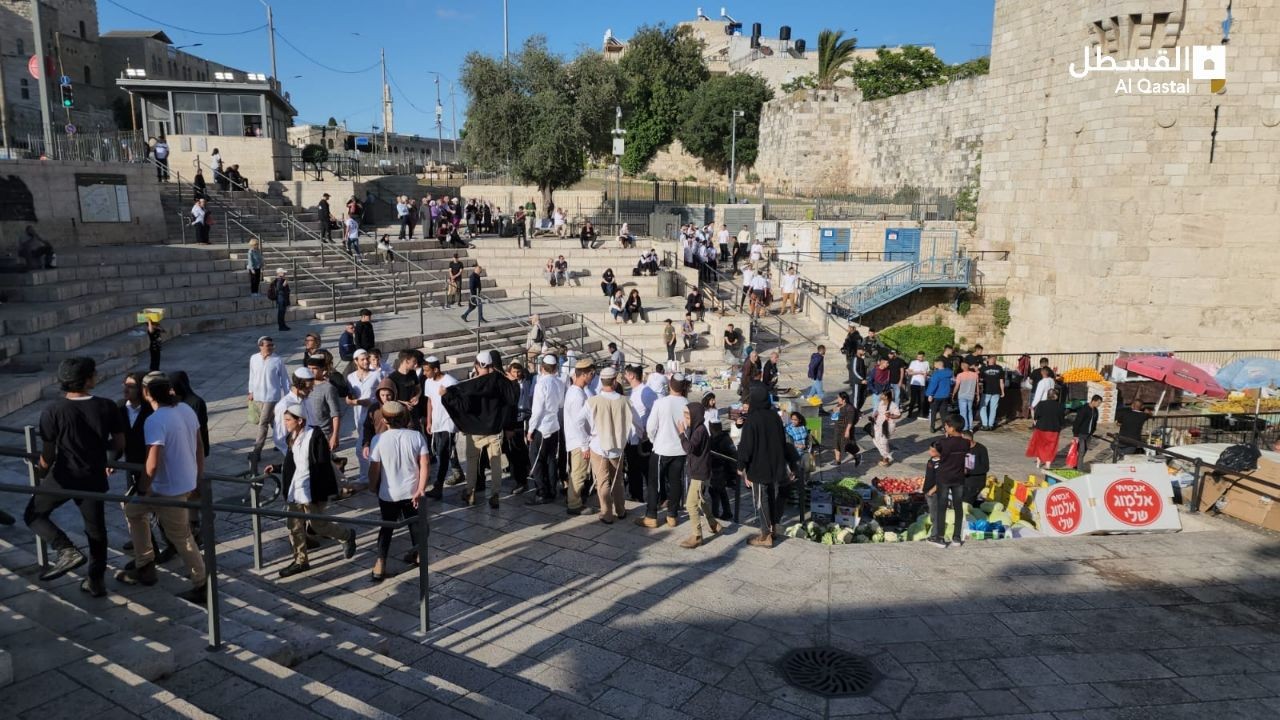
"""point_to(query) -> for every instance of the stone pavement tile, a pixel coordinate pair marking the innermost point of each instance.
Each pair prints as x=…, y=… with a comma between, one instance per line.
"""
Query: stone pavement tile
x=25, y=694
x=622, y=704
x=887, y=631
x=568, y=625
x=931, y=706
x=912, y=652
x=1153, y=640
x=1102, y=667
x=524, y=587
x=1205, y=661
x=264, y=704
x=1217, y=593
x=590, y=661
x=400, y=701
x=1039, y=644
x=76, y=705
x=997, y=702
x=936, y=677
x=893, y=693
x=565, y=683
x=661, y=686
x=742, y=681
x=1106, y=621
x=1026, y=671
x=1228, y=710
x=970, y=649
x=760, y=711
x=456, y=670
x=217, y=698
x=1232, y=613
x=704, y=671
x=1223, y=687
x=985, y=675
x=858, y=705
x=36, y=651
x=644, y=649
x=712, y=645
x=713, y=703
x=1041, y=622
x=321, y=667
x=515, y=693
x=970, y=625
x=560, y=708
x=1126, y=693
x=358, y=684
x=1061, y=697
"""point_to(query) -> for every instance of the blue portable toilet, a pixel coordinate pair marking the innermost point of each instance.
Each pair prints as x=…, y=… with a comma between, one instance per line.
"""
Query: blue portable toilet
x=834, y=243
x=902, y=244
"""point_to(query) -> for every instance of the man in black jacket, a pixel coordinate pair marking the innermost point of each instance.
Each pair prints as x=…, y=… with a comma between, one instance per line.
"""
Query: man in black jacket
x=473, y=285
x=364, y=331
x=1084, y=426
x=1130, y=437
x=975, y=475
x=480, y=408
x=849, y=349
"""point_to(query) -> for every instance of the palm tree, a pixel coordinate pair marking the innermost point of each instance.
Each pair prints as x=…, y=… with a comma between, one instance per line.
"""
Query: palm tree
x=834, y=53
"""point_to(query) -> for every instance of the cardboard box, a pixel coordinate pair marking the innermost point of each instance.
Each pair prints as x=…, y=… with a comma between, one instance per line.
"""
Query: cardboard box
x=820, y=502
x=846, y=516
x=1254, y=499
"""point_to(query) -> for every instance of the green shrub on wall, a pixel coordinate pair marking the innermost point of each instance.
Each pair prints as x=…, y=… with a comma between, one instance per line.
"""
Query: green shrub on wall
x=1000, y=313
x=911, y=339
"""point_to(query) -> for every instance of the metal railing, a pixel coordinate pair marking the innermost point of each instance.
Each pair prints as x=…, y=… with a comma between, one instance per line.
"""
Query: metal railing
x=1101, y=359
x=208, y=509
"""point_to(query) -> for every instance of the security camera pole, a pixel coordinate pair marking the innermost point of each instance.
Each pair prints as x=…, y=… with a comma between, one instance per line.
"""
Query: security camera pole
x=619, y=148
x=733, y=156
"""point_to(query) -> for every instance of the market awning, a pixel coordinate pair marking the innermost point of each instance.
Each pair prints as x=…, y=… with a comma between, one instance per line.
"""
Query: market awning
x=1174, y=373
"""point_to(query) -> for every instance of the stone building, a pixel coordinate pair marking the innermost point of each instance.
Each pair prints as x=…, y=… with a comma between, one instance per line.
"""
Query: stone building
x=416, y=148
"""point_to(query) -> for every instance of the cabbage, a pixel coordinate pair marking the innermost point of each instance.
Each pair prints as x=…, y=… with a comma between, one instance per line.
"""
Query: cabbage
x=844, y=536
x=891, y=537
x=797, y=531
x=828, y=539
x=878, y=537
x=860, y=539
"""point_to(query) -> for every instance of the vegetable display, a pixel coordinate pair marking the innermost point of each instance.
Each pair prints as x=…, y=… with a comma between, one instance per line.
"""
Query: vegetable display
x=1082, y=374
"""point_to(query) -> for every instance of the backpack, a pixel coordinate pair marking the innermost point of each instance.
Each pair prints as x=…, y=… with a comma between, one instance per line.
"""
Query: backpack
x=271, y=290
x=1240, y=458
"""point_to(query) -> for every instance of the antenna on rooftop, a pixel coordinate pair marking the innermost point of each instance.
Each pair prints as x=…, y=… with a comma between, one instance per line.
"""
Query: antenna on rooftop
x=701, y=16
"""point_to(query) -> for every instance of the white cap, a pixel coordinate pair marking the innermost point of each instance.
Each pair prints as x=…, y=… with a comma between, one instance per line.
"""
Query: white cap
x=550, y=359
x=360, y=353
x=485, y=358
x=678, y=377
x=280, y=271
x=304, y=374
x=295, y=409
x=432, y=359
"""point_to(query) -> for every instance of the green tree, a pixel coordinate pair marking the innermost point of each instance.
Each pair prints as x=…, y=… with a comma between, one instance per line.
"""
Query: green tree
x=706, y=131
x=333, y=121
x=894, y=72
x=663, y=66
x=803, y=82
x=537, y=116
x=834, y=53
x=970, y=68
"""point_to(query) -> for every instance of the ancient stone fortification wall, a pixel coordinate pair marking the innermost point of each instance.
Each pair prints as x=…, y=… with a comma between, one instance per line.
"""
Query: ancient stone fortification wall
x=1129, y=221
x=818, y=140
x=675, y=163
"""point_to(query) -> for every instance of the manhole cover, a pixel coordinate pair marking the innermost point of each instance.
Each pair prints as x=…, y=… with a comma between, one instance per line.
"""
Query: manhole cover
x=829, y=672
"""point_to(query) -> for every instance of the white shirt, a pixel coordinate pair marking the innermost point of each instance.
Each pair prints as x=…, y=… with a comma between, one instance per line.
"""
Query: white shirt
x=363, y=390
x=747, y=276
x=1042, y=390
x=595, y=435
x=278, y=432
x=353, y=229
x=577, y=434
x=400, y=452
x=641, y=400
x=618, y=360
x=661, y=425
x=657, y=384
x=300, y=484
x=440, y=419
x=402, y=210
x=759, y=282
x=744, y=237
x=757, y=252
x=216, y=159
x=197, y=214
x=176, y=429
x=921, y=367
x=723, y=237
x=548, y=399
x=789, y=282
x=268, y=378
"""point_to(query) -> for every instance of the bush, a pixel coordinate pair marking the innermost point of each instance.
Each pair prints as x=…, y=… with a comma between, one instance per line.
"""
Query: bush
x=315, y=154
x=911, y=339
x=1000, y=313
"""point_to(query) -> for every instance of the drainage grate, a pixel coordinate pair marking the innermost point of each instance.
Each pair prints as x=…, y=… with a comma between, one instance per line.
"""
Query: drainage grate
x=829, y=672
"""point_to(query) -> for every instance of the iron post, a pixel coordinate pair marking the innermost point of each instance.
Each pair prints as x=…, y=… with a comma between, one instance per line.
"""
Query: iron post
x=210, y=542
x=33, y=479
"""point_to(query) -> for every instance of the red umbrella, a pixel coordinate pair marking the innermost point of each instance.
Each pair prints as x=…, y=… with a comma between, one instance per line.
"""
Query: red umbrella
x=1173, y=372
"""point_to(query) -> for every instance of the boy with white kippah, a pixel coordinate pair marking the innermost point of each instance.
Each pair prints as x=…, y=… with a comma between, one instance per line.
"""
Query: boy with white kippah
x=544, y=430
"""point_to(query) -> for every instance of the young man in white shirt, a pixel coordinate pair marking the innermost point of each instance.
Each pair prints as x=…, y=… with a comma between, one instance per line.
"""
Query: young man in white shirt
x=918, y=372
x=748, y=274
x=438, y=423
x=742, y=242
x=268, y=383
x=757, y=252
x=353, y=238
x=577, y=436
x=759, y=292
x=544, y=425
x=303, y=381
x=399, y=463
x=173, y=469
x=363, y=382
x=641, y=398
x=722, y=239
x=661, y=426
x=790, y=287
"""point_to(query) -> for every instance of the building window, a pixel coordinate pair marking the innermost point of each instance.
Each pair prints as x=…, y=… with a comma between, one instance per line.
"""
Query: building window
x=330, y=143
x=88, y=76
x=82, y=35
x=24, y=88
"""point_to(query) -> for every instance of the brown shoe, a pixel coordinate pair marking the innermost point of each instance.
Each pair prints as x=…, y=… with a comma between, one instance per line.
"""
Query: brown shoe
x=468, y=498
x=647, y=522
x=692, y=542
x=672, y=521
x=715, y=529
x=765, y=541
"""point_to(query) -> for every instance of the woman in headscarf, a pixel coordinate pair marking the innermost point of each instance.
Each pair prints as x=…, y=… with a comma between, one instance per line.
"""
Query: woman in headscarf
x=766, y=459
x=1048, y=415
x=884, y=419
x=374, y=422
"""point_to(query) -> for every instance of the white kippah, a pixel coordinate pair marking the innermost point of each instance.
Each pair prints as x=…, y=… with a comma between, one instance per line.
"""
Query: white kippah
x=550, y=360
x=304, y=374
x=484, y=358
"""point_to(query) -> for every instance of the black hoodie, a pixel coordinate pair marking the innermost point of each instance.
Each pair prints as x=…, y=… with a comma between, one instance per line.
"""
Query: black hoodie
x=762, y=451
x=696, y=441
x=480, y=406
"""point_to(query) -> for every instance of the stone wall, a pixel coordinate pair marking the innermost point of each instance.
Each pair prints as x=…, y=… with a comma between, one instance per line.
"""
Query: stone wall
x=44, y=194
x=675, y=163
x=822, y=140
x=262, y=161
x=1134, y=219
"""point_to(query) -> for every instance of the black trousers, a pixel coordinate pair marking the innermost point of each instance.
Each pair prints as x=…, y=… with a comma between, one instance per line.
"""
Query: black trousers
x=542, y=458
x=956, y=493
x=637, y=468
x=719, y=493
x=859, y=396
x=916, y=400
x=281, y=309
x=671, y=476
x=40, y=507
x=517, y=450
x=202, y=233
x=938, y=409
x=155, y=359
x=162, y=168
x=255, y=280
x=326, y=230
x=395, y=511
x=768, y=507
x=441, y=454
x=973, y=485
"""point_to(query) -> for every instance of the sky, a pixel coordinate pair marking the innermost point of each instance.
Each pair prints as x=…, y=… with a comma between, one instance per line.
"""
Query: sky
x=327, y=50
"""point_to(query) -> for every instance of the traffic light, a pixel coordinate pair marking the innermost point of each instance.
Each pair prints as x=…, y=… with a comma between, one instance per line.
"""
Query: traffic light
x=68, y=95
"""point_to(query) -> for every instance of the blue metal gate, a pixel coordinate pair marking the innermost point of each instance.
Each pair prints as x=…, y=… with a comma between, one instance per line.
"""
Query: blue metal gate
x=834, y=243
x=902, y=244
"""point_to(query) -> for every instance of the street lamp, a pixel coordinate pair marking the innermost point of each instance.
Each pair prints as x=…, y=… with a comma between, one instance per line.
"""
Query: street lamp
x=733, y=156
x=439, y=119
x=619, y=149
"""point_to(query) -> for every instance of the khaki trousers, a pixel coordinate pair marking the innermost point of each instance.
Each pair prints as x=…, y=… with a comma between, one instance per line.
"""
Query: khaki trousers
x=266, y=417
x=176, y=526
x=298, y=529
x=695, y=503
x=609, y=486
x=476, y=445
x=578, y=466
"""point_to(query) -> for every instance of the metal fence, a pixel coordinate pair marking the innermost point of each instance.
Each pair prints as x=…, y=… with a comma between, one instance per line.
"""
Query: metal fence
x=115, y=146
x=1101, y=359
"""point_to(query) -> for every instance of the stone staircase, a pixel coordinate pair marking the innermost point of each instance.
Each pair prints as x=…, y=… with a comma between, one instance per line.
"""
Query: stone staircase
x=88, y=306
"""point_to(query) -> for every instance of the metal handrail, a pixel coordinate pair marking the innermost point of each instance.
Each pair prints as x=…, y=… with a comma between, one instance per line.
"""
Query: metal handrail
x=583, y=320
x=208, y=508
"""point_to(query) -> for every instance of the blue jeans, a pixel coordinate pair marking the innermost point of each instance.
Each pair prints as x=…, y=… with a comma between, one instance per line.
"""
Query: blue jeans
x=897, y=390
x=816, y=388
x=990, y=406
x=966, y=412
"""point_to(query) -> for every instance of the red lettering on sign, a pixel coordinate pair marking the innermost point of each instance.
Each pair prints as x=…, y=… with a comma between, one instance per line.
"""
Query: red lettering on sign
x=1063, y=510
x=1133, y=502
